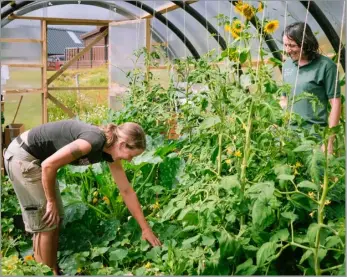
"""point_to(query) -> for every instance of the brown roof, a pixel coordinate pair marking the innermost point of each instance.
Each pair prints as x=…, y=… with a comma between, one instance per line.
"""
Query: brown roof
x=98, y=30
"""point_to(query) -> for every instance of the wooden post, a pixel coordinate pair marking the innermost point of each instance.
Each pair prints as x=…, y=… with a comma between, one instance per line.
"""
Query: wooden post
x=44, y=71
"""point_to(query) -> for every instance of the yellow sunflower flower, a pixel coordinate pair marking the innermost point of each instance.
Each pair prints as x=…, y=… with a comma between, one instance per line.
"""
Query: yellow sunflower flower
x=248, y=11
x=239, y=7
x=271, y=26
x=260, y=7
x=227, y=28
x=234, y=34
x=237, y=26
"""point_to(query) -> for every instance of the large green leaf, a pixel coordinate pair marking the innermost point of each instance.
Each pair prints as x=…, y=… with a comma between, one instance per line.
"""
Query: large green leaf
x=118, y=255
x=308, y=184
x=210, y=122
x=98, y=251
x=246, y=269
x=312, y=233
x=265, y=189
x=290, y=215
x=266, y=252
x=191, y=240
x=147, y=157
x=306, y=255
x=281, y=235
x=262, y=214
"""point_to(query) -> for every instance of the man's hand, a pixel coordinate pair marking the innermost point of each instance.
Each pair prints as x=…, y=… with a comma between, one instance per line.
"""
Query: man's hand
x=148, y=235
x=51, y=216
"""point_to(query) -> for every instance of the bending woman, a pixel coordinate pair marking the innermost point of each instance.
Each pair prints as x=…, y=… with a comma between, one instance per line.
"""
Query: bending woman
x=33, y=159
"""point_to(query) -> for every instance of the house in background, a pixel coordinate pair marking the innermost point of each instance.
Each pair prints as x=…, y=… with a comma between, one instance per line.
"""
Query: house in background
x=98, y=54
x=57, y=41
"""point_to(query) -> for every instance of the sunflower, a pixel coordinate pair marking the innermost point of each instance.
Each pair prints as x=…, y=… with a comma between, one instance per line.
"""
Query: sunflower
x=248, y=11
x=239, y=7
x=237, y=26
x=227, y=28
x=271, y=26
x=260, y=7
x=235, y=34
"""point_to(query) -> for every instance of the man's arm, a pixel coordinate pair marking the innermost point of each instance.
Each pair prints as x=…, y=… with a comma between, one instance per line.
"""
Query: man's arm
x=130, y=199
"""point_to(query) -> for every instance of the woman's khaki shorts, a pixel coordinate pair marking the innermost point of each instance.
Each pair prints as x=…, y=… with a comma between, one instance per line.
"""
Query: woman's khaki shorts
x=25, y=173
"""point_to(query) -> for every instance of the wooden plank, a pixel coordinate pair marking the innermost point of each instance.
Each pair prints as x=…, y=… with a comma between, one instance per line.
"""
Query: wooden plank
x=28, y=40
x=25, y=90
x=60, y=105
x=65, y=21
x=80, y=54
x=167, y=8
x=77, y=88
x=44, y=71
x=23, y=65
x=124, y=22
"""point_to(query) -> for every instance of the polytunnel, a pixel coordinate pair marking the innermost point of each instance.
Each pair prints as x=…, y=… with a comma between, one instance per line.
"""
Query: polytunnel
x=238, y=162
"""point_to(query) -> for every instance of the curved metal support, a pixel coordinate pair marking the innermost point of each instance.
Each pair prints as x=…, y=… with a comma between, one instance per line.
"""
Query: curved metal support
x=203, y=21
x=15, y=7
x=35, y=5
x=328, y=29
x=169, y=24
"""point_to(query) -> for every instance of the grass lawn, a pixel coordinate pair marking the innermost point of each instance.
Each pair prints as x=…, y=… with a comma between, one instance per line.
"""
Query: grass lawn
x=30, y=111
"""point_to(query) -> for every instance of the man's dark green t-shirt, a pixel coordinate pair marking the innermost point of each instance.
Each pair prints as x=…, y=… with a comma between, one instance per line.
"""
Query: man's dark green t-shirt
x=47, y=139
x=318, y=77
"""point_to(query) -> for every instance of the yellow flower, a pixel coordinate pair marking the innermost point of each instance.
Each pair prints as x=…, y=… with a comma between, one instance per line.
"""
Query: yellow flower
x=298, y=164
x=327, y=202
x=311, y=214
x=238, y=153
x=234, y=34
x=239, y=7
x=227, y=28
x=296, y=172
x=248, y=11
x=156, y=205
x=79, y=270
x=190, y=155
x=228, y=161
x=28, y=258
x=237, y=26
x=311, y=194
x=229, y=150
x=107, y=201
x=260, y=7
x=271, y=26
x=148, y=265
x=95, y=200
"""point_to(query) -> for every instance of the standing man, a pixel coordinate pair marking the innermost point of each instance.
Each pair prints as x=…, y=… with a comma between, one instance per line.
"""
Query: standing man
x=317, y=75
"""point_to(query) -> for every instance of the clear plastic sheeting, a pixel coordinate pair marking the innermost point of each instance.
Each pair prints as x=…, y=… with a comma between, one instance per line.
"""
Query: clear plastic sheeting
x=21, y=53
x=20, y=28
x=124, y=39
x=23, y=78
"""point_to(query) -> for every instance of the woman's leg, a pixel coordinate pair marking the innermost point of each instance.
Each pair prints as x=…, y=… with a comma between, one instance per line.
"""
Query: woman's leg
x=46, y=248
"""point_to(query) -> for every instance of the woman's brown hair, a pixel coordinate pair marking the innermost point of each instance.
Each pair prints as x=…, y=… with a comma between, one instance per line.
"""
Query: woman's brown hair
x=131, y=133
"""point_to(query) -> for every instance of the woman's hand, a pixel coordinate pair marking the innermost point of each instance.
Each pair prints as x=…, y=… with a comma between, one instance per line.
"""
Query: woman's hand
x=148, y=235
x=51, y=216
